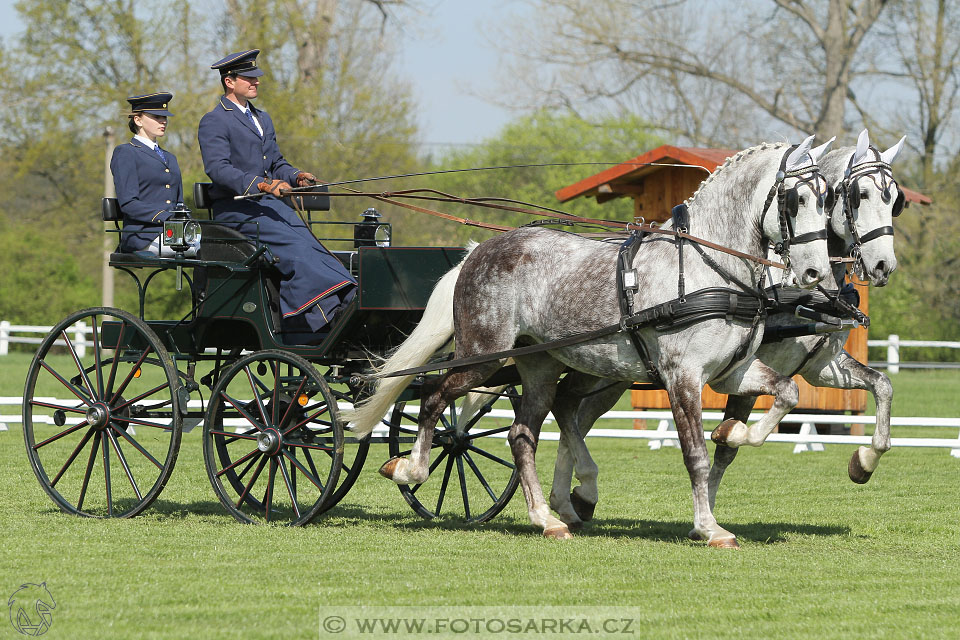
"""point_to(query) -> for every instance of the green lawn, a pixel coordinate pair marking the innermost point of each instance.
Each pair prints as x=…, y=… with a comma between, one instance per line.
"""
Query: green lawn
x=821, y=557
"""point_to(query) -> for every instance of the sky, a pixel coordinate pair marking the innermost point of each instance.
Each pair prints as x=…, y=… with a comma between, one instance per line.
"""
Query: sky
x=443, y=52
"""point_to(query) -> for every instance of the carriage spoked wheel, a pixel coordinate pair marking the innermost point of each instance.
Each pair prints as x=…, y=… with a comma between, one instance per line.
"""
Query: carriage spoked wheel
x=102, y=416
x=472, y=474
x=273, y=439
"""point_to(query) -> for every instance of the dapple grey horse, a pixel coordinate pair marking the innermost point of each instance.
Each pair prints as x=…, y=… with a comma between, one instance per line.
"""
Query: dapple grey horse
x=536, y=285
x=820, y=359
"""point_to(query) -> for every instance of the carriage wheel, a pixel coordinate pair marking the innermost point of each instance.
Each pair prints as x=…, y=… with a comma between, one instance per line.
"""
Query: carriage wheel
x=102, y=417
x=273, y=439
x=471, y=473
x=354, y=453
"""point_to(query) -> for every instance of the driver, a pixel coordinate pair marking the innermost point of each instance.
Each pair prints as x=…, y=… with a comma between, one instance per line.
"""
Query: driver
x=238, y=144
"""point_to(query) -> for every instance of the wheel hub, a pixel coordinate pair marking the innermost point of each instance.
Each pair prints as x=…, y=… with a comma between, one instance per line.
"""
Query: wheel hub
x=269, y=441
x=98, y=416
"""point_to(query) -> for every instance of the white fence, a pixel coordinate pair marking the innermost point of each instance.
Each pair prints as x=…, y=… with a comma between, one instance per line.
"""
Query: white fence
x=10, y=334
x=665, y=434
x=893, y=344
x=78, y=335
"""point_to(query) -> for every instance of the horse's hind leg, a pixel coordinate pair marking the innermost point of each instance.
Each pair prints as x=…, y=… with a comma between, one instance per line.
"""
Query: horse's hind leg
x=434, y=401
x=539, y=374
x=846, y=372
x=576, y=409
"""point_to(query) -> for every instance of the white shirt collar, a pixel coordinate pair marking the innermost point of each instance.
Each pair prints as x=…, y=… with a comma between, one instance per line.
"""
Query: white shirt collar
x=150, y=144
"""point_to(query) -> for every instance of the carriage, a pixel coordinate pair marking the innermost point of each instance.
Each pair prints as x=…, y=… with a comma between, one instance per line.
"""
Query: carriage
x=103, y=418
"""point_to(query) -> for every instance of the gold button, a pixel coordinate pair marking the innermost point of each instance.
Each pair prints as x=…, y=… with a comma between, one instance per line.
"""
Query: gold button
x=168, y=202
x=168, y=186
x=166, y=170
x=264, y=157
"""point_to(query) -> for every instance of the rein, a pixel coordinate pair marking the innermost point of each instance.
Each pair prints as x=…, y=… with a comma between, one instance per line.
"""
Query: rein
x=494, y=203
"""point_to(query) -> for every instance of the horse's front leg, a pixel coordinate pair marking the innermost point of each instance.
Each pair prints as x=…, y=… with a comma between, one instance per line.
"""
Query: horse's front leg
x=687, y=410
x=436, y=398
x=846, y=372
x=738, y=408
x=755, y=379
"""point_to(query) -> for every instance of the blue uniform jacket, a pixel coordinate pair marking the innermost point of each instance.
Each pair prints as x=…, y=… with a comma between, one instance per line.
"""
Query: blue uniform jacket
x=314, y=284
x=147, y=189
x=235, y=156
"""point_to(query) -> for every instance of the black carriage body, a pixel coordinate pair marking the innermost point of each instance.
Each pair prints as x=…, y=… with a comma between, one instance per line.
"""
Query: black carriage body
x=235, y=304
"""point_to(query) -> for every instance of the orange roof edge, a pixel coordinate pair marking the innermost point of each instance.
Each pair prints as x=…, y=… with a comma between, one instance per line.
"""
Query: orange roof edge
x=709, y=159
x=915, y=196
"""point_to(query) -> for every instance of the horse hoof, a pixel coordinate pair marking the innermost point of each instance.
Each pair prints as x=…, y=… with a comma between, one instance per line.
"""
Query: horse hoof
x=389, y=468
x=557, y=533
x=576, y=525
x=724, y=543
x=583, y=508
x=693, y=535
x=856, y=471
x=725, y=432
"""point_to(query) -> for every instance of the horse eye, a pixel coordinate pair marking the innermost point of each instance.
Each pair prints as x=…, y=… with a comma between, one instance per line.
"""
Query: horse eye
x=864, y=194
x=803, y=200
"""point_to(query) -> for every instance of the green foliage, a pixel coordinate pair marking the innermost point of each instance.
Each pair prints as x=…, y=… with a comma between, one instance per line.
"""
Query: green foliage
x=42, y=282
x=922, y=300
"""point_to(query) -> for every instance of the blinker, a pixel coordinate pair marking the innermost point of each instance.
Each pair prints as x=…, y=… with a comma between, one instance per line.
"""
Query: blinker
x=792, y=202
x=898, y=204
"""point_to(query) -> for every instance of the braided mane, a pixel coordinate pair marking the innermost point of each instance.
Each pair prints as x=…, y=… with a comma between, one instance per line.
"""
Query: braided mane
x=731, y=160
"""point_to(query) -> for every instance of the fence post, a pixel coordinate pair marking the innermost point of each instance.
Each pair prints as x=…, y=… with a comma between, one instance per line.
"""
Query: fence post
x=4, y=337
x=893, y=353
x=80, y=338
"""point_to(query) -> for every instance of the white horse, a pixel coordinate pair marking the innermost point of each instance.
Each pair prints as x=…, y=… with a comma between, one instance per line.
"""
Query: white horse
x=859, y=175
x=539, y=286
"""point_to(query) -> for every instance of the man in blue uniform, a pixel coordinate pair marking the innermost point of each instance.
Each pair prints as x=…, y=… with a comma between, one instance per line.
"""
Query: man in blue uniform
x=240, y=154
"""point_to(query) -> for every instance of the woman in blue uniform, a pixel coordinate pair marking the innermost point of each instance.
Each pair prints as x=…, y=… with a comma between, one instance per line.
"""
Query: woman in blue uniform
x=146, y=177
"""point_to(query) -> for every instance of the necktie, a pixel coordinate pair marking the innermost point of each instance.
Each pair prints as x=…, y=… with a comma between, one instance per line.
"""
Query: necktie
x=160, y=153
x=252, y=121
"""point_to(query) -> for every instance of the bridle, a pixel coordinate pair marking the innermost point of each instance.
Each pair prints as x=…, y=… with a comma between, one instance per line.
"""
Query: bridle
x=788, y=204
x=849, y=190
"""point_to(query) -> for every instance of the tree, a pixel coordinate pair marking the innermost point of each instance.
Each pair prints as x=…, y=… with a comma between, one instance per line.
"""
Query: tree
x=78, y=60
x=794, y=65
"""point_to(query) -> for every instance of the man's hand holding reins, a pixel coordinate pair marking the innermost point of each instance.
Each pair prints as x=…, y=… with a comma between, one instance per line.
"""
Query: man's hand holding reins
x=305, y=179
x=274, y=187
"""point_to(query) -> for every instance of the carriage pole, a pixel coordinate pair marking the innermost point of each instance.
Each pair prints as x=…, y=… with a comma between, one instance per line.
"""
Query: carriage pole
x=109, y=191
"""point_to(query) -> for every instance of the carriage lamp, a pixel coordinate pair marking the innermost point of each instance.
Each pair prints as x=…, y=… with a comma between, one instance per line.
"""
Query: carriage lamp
x=180, y=232
x=370, y=232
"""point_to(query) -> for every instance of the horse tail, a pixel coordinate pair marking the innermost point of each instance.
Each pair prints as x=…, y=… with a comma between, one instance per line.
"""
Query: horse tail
x=434, y=330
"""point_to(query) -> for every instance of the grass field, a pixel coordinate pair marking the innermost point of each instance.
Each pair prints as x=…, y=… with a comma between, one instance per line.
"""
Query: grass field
x=821, y=557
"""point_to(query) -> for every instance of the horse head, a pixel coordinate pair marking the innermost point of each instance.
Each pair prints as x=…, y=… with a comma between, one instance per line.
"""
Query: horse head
x=867, y=200
x=794, y=218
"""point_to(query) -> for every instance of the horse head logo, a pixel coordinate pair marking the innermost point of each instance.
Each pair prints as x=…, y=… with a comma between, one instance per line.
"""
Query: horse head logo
x=30, y=609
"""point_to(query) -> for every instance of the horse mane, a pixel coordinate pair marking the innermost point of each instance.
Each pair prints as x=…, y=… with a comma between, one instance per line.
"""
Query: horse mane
x=740, y=155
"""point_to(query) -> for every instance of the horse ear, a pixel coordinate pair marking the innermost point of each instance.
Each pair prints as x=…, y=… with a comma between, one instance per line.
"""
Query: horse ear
x=797, y=158
x=890, y=154
x=863, y=145
x=817, y=152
